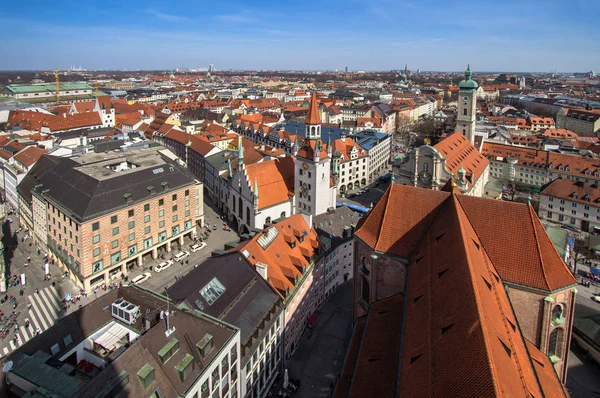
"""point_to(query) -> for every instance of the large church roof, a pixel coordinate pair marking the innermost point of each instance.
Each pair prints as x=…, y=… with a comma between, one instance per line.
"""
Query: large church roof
x=404, y=214
x=453, y=332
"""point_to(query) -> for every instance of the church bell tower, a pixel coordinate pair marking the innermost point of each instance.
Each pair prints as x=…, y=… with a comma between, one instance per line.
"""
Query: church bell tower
x=467, y=106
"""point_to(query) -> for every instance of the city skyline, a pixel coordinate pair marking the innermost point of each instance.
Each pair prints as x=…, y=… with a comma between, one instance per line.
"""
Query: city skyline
x=534, y=36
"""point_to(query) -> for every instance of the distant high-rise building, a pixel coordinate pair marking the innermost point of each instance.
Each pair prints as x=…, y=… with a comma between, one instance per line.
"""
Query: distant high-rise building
x=346, y=69
x=211, y=68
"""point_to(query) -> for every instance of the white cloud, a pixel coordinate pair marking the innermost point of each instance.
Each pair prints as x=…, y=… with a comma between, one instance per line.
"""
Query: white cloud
x=166, y=17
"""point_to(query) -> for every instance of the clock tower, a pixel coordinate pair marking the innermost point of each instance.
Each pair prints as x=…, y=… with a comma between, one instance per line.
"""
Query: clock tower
x=467, y=106
x=313, y=189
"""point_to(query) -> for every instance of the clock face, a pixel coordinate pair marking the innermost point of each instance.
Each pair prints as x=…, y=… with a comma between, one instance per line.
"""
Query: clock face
x=305, y=166
x=465, y=98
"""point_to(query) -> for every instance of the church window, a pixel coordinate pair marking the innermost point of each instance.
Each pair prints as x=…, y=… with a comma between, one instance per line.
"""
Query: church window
x=309, y=174
x=300, y=171
x=426, y=167
x=557, y=312
x=555, y=342
x=283, y=214
x=366, y=290
x=248, y=215
x=465, y=111
x=268, y=220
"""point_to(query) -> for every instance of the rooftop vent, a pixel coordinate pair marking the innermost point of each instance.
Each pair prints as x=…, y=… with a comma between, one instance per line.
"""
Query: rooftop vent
x=125, y=311
x=205, y=345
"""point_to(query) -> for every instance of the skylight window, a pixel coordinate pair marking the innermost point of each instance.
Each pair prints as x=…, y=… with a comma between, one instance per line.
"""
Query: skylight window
x=212, y=291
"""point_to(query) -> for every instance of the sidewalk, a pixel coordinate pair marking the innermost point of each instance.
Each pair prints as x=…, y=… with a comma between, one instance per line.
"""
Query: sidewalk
x=319, y=358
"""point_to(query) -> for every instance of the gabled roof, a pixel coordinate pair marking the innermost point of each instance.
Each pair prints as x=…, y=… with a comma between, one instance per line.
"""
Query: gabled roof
x=247, y=298
x=29, y=155
x=403, y=215
x=455, y=345
x=400, y=218
x=436, y=358
x=275, y=179
x=274, y=247
x=459, y=152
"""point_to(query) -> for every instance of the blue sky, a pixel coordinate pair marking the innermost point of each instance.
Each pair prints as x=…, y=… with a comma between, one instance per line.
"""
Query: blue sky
x=525, y=35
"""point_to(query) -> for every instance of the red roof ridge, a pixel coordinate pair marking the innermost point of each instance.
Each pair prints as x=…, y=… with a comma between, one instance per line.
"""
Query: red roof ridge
x=537, y=245
x=462, y=217
x=460, y=214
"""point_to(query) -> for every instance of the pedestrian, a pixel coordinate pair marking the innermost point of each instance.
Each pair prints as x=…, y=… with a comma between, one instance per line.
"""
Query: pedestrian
x=37, y=291
x=21, y=292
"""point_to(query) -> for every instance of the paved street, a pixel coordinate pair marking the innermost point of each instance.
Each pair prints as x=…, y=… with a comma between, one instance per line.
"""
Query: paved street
x=215, y=241
x=42, y=308
x=319, y=358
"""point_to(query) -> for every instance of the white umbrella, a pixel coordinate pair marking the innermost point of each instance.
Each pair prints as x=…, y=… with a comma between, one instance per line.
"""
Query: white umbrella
x=286, y=378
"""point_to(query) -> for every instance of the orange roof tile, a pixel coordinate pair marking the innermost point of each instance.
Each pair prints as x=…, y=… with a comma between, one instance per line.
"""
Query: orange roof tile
x=275, y=179
x=277, y=253
x=29, y=155
x=459, y=152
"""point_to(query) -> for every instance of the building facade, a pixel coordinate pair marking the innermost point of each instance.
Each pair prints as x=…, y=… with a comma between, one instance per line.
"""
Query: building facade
x=452, y=158
x=573, y=203
x=154, y=203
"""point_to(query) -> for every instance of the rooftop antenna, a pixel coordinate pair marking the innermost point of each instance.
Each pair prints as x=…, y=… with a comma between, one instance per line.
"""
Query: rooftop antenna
x=166, y=314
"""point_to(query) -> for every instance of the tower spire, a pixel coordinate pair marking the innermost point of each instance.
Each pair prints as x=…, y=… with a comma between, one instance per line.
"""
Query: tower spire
x=313, y=116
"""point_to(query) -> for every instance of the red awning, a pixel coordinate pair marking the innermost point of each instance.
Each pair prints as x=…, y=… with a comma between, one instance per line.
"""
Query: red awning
x=312, y=321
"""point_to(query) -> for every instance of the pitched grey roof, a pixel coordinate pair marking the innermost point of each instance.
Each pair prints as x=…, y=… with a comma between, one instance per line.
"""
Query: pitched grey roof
x=33, y=178
x=247, y=298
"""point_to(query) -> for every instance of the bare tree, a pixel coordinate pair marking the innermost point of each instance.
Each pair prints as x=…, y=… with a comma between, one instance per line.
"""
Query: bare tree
x=582, y=251
x=404, y=125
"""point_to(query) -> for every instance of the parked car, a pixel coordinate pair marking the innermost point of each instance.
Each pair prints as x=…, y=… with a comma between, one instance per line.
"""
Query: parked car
x=163, y=266
x=226, y=228
x=570, y=227
x=181, y=255
x=141, y=278
x=197, y=246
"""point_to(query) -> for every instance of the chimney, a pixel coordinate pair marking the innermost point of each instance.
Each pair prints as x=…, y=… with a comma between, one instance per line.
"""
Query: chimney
x=261, y=268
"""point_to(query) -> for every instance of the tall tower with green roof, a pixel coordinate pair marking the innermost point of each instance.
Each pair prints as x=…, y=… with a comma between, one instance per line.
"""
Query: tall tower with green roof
x=467, y=106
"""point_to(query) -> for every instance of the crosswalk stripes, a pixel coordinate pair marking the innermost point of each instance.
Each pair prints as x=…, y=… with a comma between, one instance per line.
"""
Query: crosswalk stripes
x=44, y=312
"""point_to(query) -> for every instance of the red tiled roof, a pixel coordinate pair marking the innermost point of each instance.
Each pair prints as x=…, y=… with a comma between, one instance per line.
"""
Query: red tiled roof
x=575, y=191
x=29, y=155
x=275, y=180
x=454, y=344
x=282, y=273
x=459, y=152
x=528, y=258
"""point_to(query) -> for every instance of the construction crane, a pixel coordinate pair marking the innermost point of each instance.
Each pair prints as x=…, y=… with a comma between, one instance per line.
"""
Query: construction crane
x=57, y=85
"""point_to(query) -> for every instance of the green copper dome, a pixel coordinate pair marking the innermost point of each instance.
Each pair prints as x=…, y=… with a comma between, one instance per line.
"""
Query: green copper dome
x=468, y=84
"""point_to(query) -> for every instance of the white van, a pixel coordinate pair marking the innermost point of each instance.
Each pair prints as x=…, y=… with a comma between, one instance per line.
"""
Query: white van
x=181, y=255
x=141, y=278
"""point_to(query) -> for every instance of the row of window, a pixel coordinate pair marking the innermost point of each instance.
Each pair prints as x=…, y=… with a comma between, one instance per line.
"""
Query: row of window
x=131, y=212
